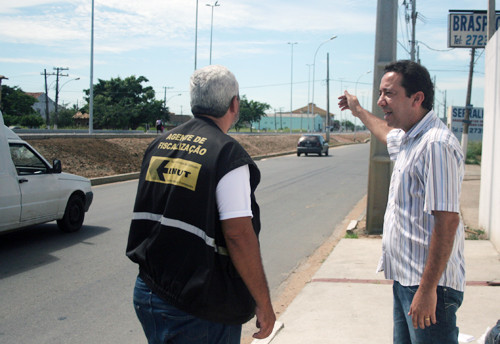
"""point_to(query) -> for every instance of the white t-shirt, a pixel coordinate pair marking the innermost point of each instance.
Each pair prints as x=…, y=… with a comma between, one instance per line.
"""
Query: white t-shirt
x=233, y=194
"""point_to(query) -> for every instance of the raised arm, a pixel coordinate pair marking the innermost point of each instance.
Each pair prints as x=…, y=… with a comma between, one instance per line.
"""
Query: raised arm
x=377, y=126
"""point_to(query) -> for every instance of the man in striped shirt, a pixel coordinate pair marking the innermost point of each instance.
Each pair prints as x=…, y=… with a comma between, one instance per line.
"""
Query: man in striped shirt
x=423, y=239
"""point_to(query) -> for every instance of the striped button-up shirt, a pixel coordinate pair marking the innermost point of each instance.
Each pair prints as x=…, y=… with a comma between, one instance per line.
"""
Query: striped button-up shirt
x=427, y=177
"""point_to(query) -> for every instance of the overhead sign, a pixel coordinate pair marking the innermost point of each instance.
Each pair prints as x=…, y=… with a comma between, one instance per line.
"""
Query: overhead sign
x=456, y=115
x=468, y=29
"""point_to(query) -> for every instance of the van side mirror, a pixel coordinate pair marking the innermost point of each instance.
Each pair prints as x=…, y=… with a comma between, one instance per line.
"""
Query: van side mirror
x=56, y=166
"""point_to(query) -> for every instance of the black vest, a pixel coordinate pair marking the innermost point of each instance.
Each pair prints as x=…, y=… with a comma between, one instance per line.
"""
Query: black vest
x=176, y=236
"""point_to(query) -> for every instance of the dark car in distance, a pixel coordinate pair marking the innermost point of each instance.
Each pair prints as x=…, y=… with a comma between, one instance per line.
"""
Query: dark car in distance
x=312, y=143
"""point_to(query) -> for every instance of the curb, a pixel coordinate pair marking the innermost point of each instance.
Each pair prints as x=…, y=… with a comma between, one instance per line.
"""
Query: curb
x=135, y=175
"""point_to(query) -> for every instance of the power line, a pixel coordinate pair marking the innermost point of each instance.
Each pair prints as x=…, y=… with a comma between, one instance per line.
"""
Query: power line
x=428, y=47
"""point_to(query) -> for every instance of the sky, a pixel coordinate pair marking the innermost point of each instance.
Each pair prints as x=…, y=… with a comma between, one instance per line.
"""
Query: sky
x=269, y=45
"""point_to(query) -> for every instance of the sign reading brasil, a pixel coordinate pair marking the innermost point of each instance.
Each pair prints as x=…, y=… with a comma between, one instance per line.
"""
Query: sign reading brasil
x=468, y=28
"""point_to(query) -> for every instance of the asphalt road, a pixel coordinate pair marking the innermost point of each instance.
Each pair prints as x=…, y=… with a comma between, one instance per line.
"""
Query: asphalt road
x=77, y=288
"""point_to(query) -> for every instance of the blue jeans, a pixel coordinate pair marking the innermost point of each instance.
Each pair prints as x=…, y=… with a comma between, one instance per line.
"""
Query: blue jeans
x=163, y=323
x=493, y=336
x=444, y=331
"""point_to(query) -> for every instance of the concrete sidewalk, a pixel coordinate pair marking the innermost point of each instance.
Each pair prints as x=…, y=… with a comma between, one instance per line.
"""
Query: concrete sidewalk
x=347, y=302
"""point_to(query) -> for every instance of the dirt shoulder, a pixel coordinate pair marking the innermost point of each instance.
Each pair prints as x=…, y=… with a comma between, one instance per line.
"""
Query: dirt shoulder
x=101, y=157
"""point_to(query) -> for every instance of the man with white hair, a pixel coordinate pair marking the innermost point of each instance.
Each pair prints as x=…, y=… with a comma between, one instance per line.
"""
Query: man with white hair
x=194, y=231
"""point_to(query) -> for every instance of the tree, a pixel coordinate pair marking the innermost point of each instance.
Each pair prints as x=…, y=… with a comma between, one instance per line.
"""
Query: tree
x=17, y=105
x=125, y=103
x=347, y=125
x=250, y=111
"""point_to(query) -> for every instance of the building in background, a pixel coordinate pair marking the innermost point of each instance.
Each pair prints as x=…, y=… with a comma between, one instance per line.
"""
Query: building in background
x=300, y=119
x=39, y=106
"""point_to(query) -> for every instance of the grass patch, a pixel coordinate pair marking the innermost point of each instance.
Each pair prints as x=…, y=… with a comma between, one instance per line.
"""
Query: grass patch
x=474, y=150
x=350, y=235
x=474, y=234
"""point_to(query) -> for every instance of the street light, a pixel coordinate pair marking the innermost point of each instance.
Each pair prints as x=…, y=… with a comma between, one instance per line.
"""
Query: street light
x=356, y=85
x=196, y=37
x=356, y=94
x=308, y=94
x=291, y=85
x=175, y=95
x=67, y=82
x=314, y=69
x=212, y=26
x=58, y=89
x=91, y=88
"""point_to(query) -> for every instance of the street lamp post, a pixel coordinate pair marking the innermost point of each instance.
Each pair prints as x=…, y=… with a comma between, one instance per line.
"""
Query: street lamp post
x=175, y=95
x=308, y=94
x=196, y=37
x=91, y=88
x=212, y=27
x=356, y=85
x=314, y=69
x=356, y=94
x=291, y=84
x=58, y=90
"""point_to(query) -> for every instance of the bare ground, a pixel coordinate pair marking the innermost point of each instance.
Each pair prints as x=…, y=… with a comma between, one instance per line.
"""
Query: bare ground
x=100, y=157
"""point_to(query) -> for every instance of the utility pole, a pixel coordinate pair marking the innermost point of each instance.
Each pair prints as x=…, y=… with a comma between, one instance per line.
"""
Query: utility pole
x=196, y=37
x=291, y=85
x=491, y=19
x=380, y=169
x=275, y=120
x=413, y=25
x=165, y=88
x=47, y=117
x=327, y=97
x=434, y=100
x=468, y=105
x=445, y=114
x=91, y=88
x=58, y=69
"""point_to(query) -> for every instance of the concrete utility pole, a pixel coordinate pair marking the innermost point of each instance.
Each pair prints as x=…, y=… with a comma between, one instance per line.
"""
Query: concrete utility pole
x=413, y=26
x=468, y=105
x=491, y=18
x=379, y=173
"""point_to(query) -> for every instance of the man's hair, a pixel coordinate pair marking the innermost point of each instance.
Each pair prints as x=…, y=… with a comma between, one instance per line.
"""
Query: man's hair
x=212, y=90
x=415, y=78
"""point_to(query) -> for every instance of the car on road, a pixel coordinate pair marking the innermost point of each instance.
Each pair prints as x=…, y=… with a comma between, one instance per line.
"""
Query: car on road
x=33, y=191
x=312, y=143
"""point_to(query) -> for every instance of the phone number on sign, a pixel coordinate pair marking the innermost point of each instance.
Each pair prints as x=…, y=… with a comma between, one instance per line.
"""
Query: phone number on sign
x=471, y=130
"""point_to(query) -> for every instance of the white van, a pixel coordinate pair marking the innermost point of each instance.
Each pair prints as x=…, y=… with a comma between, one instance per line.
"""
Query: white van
x=32, y=191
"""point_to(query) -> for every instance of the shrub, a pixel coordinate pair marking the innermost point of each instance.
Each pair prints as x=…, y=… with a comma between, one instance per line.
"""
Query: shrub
x=474, y=150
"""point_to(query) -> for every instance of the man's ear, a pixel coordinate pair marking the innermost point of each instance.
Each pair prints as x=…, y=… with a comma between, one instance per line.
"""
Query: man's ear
x=234, y=107
x=418, y=98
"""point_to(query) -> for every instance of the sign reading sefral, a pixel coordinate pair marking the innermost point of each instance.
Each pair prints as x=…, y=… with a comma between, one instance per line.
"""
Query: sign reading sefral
x=456, y=116
x=468, y=29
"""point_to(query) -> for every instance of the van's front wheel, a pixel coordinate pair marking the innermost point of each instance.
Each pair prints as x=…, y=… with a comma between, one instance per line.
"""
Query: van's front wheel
x=73, y=215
